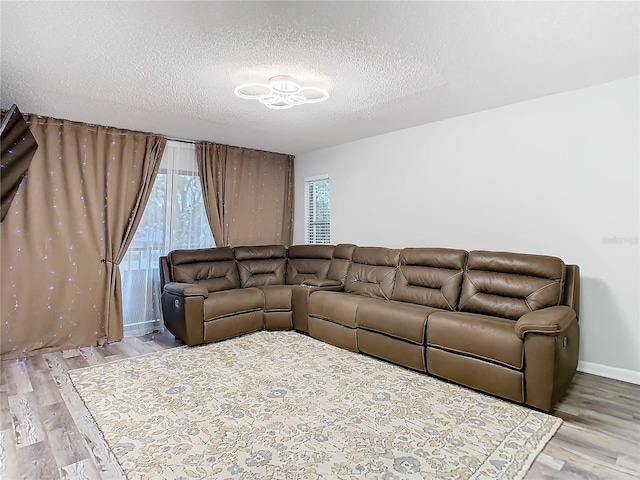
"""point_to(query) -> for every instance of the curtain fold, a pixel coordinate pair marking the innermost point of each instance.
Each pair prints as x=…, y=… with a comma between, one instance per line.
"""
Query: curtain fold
x=248, y=194
x=67, y=229
x=212, y=160
x=125, y=203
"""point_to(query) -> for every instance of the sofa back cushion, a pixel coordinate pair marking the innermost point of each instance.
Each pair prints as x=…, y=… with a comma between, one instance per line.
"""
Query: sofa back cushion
x=308, y=261
x=212, y=268
x=339, y=266
x=261, y=265
x=430, y=276
x=509, y=285
x=372, y=272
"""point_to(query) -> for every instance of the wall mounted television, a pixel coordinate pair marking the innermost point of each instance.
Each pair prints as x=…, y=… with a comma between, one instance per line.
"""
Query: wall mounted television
x=18, y=146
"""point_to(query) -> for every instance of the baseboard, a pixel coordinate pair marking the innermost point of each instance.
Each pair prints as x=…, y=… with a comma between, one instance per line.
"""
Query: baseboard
x=141, y=328
x=622, y=374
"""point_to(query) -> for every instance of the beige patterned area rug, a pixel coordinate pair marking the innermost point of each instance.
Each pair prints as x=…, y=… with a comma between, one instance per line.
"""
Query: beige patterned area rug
x=284, y=406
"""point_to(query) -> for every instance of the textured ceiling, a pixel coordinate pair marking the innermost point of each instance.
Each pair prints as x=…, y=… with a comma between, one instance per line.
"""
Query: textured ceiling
x=171, y=67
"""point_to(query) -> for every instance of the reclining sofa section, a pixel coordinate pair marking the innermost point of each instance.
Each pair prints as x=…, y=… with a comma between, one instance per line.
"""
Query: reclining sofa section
x=502, y=323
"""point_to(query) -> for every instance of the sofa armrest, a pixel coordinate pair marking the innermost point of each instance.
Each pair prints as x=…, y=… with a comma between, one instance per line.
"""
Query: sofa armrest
x=547, y=321
x=186, y=289
x=300, y=299
x=321, y=282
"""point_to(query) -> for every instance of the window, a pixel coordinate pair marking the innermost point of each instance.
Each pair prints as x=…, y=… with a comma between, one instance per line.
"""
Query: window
x=316, y=210
x=173, y=218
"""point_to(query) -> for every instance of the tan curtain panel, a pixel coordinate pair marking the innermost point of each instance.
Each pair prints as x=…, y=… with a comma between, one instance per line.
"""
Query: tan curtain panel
x=212, y=160
x=248, y=194
x=68, y=227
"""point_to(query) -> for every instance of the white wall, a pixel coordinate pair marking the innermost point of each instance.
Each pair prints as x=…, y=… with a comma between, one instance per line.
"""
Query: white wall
x=557, y=175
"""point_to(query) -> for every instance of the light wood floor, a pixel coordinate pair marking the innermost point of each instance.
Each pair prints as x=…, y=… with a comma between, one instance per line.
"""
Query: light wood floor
x=41, y=438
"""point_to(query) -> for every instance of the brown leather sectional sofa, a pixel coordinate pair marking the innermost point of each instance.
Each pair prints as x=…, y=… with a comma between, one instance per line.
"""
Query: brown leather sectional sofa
x=502, y=323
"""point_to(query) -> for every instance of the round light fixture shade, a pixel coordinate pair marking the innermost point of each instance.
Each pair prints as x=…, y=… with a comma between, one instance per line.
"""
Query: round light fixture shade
x=281, y=92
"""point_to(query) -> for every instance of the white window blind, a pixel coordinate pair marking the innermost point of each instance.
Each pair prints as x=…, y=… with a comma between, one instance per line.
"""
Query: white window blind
x=173, y=218
x=317, y=210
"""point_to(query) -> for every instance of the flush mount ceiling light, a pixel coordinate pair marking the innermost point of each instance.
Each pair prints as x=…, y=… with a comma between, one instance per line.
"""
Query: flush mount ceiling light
x=281, y=92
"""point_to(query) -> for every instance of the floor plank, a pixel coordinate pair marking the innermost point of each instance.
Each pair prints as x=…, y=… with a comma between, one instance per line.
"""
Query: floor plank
x=83, y=470
x=93, y=355
x=45, y=434
x=27, y=425
x=17, y=377
x=8, y=462
x=36, y=461
x=103, y=459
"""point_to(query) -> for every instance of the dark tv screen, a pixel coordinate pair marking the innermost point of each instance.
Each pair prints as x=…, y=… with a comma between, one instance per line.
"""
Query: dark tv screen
x=18, y=146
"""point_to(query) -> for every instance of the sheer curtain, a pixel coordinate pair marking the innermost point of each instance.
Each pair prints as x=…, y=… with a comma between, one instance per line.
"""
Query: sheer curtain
x=174, y=218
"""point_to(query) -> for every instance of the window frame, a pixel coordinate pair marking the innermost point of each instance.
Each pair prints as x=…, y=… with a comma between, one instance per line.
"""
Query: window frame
x=311, y=225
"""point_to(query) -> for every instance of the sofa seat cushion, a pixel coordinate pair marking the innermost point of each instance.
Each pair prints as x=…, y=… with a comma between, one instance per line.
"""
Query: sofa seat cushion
x=337, y=307
x=396, y=319
x=230, y=302
x=491, y=339
x=277, y=297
